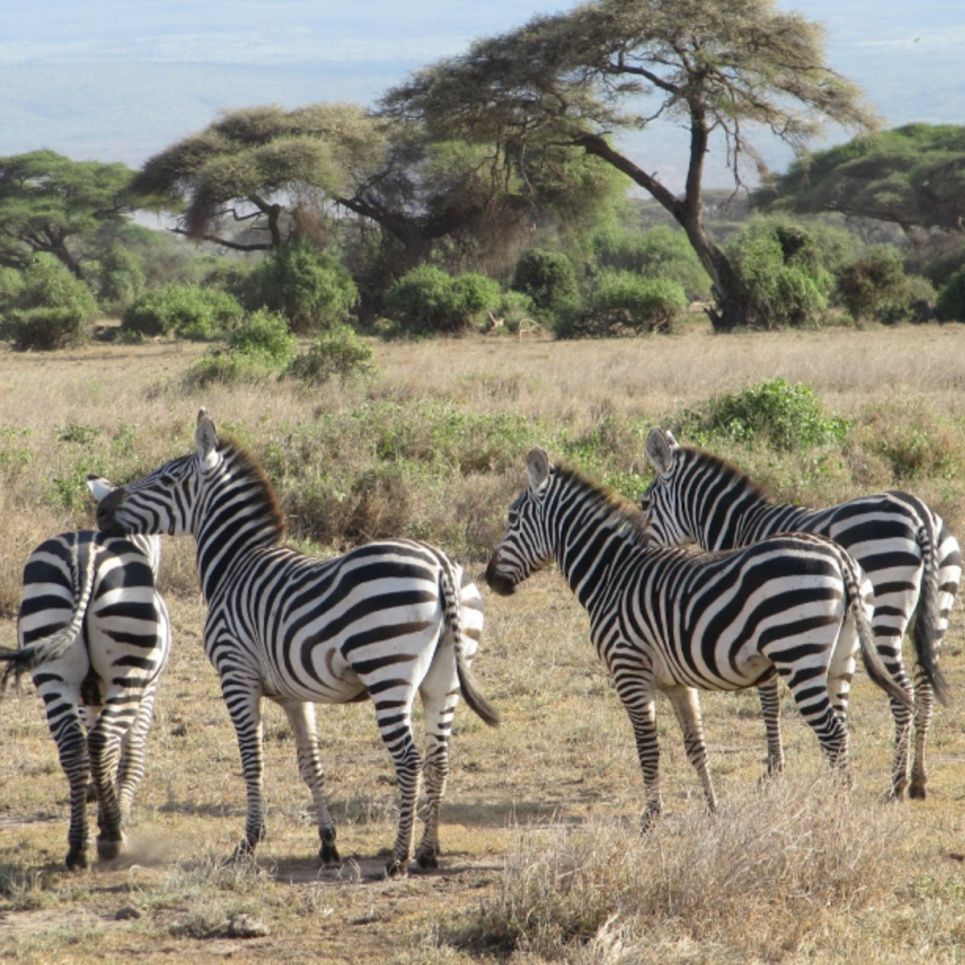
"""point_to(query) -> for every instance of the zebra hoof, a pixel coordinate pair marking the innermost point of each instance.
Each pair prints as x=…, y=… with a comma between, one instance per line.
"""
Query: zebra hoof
x=917, y=792
x=109, y=848
x=328, y=854
x=429, y=860
x=76, y=859
x=396, y=869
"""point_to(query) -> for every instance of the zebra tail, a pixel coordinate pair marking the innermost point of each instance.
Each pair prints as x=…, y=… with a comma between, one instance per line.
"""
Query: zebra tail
x=467, y=681
x=54, y=646
x=927, y=631
x=873, y=663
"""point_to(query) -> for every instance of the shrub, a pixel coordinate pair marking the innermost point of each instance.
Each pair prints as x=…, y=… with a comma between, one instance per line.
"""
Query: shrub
x=48, y=309
x=872, y=282
x=121, y=278
x=623, y=303
x=781, y=271
x=312, y=290
x=951, y=299
x=547, y=277
x=188, y=311
x=339, y=351
x=786, y=416
x=658, y=252
x=427, y=301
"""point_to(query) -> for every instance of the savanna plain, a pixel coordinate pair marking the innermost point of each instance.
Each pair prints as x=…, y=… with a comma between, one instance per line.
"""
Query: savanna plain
x=543, y=858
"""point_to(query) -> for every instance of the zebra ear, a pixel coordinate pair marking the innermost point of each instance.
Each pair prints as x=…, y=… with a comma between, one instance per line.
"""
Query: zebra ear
x=99, y=487
x=206, y=439
x=537, y=468
x=661, y=450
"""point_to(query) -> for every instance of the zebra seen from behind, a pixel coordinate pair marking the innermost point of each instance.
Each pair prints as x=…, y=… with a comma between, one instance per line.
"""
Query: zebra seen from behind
x=95, y=634
x=910, y=556
x=676, y=620
x=385, y=621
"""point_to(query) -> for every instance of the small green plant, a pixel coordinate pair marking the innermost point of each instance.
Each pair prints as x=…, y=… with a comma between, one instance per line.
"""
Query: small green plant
x=951, y=299
x=187, y=311
x=339, y=352
x=783, y=415
x=263, y=334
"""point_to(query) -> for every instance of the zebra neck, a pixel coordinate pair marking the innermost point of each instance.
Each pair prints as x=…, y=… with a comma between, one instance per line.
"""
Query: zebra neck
x=227, y=545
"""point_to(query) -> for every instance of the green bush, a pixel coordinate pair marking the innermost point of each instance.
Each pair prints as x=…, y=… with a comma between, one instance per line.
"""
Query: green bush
x=265, y=334
x=427, y=301
x=780, y=268
x=312, y=290
x=658, y=252
x=49, y=308
x=187, y=311
x=870, y=285
x=951, y=299
x=787, y=417
x=623, y=303
x=339, y=351
x=547, y=277
x=121, y=278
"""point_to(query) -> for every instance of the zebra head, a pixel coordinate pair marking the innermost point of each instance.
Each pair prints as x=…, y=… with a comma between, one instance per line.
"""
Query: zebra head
x=163, y=501
x=524, y=547
x=660, y=503
x=101, y=489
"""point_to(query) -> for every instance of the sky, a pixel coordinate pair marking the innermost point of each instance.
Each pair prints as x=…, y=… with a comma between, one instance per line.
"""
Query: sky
x=120, y=80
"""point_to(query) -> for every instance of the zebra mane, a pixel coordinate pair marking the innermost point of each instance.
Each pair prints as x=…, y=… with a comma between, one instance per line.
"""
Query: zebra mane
x=244, y=464
x=724, y=467
x=611, y=501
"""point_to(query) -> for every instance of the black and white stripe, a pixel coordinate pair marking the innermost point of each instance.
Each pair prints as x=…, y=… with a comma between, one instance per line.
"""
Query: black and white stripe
x=95, y=635
x=384, y=621
x=678, y=620
x=910, y=556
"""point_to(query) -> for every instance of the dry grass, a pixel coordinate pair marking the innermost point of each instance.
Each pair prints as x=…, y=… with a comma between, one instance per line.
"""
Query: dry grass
x=542, y=859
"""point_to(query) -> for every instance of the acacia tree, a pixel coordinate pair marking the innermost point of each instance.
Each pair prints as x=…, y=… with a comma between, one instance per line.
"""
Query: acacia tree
x=48, y=201
x=912, y=176
x=725, y=68
x=286, y=173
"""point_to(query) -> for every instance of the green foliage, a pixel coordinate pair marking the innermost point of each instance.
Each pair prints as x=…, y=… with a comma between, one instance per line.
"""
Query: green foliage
x=547, y=277
x=951, y=299
x=911, y=176
x=658, y=252
x=312, y=290
x=427, y=301
x=872, y=282
x=260, y=347
x=121, y=278
x=785, y=416
x=624, y=303
x=780, y=270
x=339, y=352
x=187, y=311
x=49, y=309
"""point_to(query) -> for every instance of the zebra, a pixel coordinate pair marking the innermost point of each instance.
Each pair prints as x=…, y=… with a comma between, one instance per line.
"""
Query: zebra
x=675, y=619
x=906, y=550
x=95, y=635
x=385, y=620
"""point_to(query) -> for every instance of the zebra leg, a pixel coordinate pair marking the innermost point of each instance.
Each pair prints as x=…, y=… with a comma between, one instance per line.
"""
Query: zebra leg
x=301, y=717
x=439, y=698
x=244, y=707
x=771, y=712
x=104, y=743
x=686, y=705
x=130, y=769
x=639, y=704
x=924, y=701
x=811, y=694
x=75, y=761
